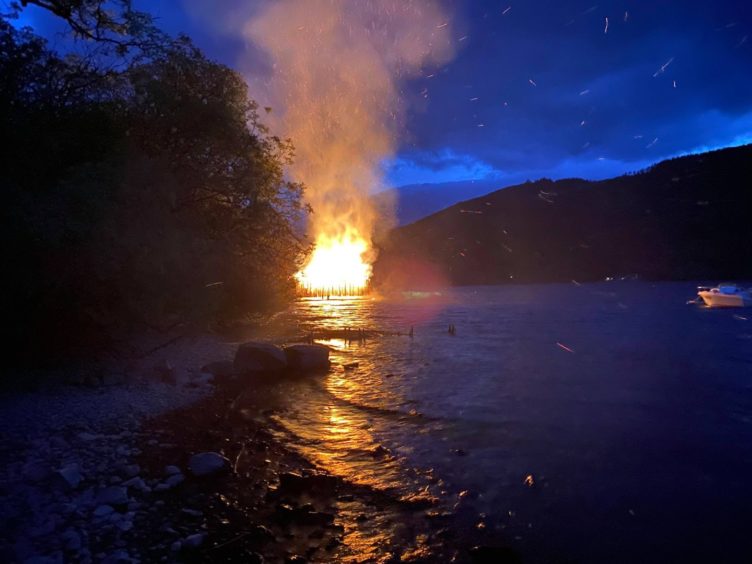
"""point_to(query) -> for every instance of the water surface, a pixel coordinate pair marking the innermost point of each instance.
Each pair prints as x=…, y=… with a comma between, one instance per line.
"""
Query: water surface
x=576, y=423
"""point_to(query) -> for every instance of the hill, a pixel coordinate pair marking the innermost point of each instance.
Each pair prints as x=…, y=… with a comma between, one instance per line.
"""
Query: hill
x=685, y=218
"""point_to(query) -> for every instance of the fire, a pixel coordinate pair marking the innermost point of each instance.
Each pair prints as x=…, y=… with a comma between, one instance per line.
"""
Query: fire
x=337, y=266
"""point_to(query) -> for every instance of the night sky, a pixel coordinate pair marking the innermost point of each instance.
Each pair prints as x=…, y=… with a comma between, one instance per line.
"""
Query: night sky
x=546, y=88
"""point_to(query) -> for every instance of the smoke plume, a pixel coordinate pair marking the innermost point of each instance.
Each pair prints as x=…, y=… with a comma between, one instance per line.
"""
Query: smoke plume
x=337, y=66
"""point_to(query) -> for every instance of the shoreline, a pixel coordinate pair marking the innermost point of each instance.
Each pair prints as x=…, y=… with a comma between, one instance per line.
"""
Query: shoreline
x=102, y=474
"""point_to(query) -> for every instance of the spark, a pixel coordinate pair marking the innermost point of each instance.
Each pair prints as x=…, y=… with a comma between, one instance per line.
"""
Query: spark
x=471, y=211
x=663, y=68
x=742, y=42
x=430, y=75
x=213, y=284
x=506, y=11
x=462, y=38
x=626, y=16
x=474, y=99
x=582, y=123
x=576, y=283
x=531, y=81
x=605, y=30
x=740, y=317
x=674, y=84
x=638, y=137
x=653, y=142
x=442, y=26
x=564, y=347
x=584, y=92
x=586, y=145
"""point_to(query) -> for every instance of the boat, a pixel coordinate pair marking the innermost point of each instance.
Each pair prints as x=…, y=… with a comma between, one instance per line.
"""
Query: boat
x=725, y=295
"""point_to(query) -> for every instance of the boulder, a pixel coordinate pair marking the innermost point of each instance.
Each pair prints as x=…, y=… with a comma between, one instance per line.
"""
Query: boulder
x=71, y=475
x=113, y=495
x=256, y=356
x=307, y=357
x=207, y=463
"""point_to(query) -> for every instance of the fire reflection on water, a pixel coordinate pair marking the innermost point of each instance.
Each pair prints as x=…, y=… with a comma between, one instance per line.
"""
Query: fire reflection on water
x=337, y=422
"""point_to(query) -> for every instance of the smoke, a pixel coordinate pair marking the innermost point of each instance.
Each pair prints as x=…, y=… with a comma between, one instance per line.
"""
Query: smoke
x=337, y=67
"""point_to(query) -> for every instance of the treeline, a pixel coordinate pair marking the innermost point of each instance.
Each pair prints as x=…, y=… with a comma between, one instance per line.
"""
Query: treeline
x=140, y=189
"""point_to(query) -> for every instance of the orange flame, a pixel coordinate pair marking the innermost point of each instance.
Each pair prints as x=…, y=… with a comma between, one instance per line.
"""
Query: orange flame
x=337, y=266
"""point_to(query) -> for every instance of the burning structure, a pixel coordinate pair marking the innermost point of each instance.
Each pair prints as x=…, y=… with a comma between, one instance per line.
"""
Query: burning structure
x=334, y=86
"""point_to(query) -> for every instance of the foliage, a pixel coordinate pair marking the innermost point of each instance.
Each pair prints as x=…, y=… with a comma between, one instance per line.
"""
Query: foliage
x=145, y=197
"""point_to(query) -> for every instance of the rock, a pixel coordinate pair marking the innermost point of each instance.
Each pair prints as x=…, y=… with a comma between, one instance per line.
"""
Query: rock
x=87, y=437
x=71, y=475
x=207, y=463
x=130, y=471
x=113, y=495
x=307, y=357
x=255, y=357
x=192, y=512
x=170, y=470
x=287, y=514
x=136, y=482
x=222, y=369
x=176, y=546
x=71, y=540
x=103, y=511
x=174, y=480
x=291, y=483
x=194, y=541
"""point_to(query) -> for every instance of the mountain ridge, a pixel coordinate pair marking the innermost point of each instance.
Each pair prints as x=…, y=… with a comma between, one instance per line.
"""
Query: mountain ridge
x=689, y=217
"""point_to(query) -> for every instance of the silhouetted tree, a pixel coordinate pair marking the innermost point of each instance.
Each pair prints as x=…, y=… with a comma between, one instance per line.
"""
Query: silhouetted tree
x=147, y=196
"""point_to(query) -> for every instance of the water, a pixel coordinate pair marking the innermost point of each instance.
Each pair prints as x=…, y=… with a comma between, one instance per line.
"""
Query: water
x=630, y=410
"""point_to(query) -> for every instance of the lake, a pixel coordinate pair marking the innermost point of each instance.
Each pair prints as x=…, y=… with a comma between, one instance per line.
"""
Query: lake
x=606, y=422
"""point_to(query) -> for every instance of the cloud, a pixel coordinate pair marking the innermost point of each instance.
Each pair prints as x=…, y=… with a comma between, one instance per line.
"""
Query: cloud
x=437, y=167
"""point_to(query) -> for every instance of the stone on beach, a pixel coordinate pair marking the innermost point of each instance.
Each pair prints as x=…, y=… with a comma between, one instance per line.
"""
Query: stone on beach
x=113, y=495
x=207, y=463
x=257, y=356
x=307, y=357
x=71, y=475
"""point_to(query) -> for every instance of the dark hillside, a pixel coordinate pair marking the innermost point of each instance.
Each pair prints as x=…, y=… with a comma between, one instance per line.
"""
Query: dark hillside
x=686, y=218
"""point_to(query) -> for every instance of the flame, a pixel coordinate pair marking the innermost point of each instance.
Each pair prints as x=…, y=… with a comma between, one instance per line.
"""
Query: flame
x=337, y=266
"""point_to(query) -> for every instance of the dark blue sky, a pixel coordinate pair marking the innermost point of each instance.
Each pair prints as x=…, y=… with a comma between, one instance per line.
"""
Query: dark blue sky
x=541, y=88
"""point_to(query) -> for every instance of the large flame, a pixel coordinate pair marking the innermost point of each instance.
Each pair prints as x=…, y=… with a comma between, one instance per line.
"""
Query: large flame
x=332, y=75
x=337, y=266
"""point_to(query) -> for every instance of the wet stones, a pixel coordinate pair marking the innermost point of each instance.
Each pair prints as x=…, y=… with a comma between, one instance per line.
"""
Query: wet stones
x=207, y=463
x=289, y=515
x=292, y=484
x=257, y=357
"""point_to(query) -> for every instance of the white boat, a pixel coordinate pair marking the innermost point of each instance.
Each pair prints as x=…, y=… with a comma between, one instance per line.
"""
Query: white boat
x=726, y=295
